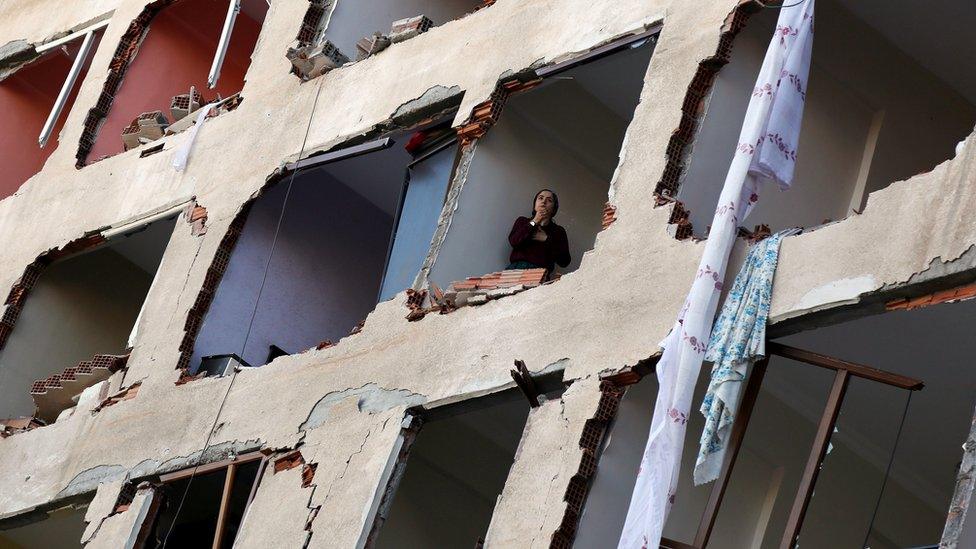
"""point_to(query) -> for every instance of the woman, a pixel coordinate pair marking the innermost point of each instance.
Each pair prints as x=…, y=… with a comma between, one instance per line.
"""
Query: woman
x=537, y=242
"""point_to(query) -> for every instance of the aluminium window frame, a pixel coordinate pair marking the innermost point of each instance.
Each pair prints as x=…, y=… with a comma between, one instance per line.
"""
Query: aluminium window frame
x=88, y=35
x=233, y=9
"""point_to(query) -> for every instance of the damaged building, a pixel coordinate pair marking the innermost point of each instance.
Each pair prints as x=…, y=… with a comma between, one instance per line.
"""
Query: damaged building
x=258, y=288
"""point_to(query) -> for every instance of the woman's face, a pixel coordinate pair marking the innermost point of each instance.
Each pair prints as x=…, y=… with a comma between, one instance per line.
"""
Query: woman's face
x=545, y=203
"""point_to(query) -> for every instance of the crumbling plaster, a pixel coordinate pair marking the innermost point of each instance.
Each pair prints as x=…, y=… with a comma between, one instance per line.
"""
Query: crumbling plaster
x=609, y=313
x=904, y=231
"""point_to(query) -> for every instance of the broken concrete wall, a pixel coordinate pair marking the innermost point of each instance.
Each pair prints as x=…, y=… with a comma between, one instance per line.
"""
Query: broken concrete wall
x=611, y=312
x=548, y=456
x=122, y=528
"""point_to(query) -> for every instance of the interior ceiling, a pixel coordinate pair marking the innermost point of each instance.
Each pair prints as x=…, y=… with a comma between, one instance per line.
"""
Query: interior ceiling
x=930, y=344
x=936, y=33
x=378, y=177
x=145, y=248
x=616, y=80
x=602, y=96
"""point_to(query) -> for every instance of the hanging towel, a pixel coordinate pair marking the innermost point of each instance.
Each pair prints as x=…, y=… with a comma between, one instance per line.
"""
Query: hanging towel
x=738, y=339
x=684, y=348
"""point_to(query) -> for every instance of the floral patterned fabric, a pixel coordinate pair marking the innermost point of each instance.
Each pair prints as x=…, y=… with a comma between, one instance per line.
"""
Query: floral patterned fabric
x=787, y=61
x=738, y=339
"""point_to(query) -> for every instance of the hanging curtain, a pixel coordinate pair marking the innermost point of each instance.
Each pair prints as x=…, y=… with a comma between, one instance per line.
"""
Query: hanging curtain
x=766, y=150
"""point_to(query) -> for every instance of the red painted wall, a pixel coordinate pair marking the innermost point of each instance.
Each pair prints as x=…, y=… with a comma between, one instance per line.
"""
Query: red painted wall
x=26, y=99
x=176, y=54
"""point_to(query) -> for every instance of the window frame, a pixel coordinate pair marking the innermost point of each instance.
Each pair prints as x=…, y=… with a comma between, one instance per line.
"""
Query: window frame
x=843, y=372
x=231, y=465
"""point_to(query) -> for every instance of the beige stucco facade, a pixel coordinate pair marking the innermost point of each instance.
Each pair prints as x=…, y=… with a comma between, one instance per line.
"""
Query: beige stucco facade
x=608, y=314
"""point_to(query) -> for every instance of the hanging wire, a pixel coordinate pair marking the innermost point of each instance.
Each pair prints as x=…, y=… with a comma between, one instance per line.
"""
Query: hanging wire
x=267, y=268
x=891, y=461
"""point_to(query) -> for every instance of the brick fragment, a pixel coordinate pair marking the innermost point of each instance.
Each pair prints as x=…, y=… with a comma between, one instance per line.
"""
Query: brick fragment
x=405, y=29
x=289, y=461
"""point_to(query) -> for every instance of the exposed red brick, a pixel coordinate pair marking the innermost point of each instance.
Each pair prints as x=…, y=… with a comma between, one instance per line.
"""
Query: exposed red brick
x=945, y=296
x=124, y=54
x=503, y=279
x=112, y=363
x=289, y=461
x=416, y=299
x=416, y=315
x=484, y=115
x=308, y=474
x=576, y=491
x=693, y=106
x=211, y=280
x=196, y=216
x=310, y=23
x=609, y=215
x=124, y=394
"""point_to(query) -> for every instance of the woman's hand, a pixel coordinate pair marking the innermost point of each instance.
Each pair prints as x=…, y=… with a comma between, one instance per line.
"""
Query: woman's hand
x=539, y=235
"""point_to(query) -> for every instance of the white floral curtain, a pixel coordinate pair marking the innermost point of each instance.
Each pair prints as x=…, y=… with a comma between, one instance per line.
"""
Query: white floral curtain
x=766, y=150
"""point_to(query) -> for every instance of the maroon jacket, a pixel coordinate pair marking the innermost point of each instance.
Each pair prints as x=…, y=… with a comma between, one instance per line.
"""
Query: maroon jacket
x=555, y=250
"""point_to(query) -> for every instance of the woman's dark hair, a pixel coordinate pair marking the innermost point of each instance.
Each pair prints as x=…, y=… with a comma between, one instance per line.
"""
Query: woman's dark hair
x=555, y=202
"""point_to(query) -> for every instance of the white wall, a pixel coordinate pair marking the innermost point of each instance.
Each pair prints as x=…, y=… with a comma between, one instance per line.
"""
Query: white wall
x=82, y=306
x=455, y=472
x=323, y=278
x=354, y=19
x=855, y=75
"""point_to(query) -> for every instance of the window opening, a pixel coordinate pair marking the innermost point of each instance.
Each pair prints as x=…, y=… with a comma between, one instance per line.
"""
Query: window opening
x=883, y=105
x=174, y=59
x=355, y=229
x=62, y=527
x=336, y=31
x=36, y=100
x=563, y=134
x=73, y=329
x=204, y=507
x=454, y=472
x=822, y=447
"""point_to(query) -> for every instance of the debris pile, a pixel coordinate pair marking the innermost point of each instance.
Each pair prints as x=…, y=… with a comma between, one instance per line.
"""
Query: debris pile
x=182, y=105
x=147, y=127
x=312, y=61
x=474, y=290
x=405, y=29
x=16, y=425
x=372, y=44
